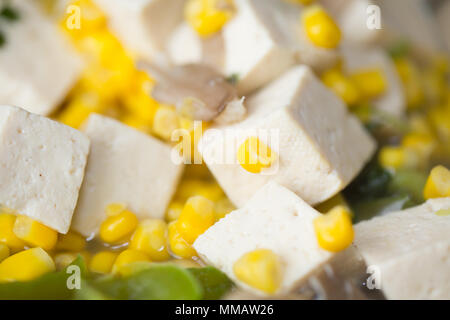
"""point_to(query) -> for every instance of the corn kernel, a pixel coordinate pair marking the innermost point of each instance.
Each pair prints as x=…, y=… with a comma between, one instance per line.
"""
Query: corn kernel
x=398, y=157
x=91, y=19
x=320, y=28
x=412, y=83
x=137, y=123
x=35, y=233
x=79, y=109
x=334, y=230
x=165, y=122
x=4, y=252
x=116, y=228
x=260, y=269
x=208, y=16
x=102, y=262
x=303, y=2
x=438, y=183
x=371, y=83
x=343, y=86
x=197, y=216
x=174, y=211
x=129, y=256
x=72, y=241
x=64, y=259
x=26, y=265
x=7, y=235
x=141, y=105
x=254, y=155
x=179, y=246
x=114, y=209
x=151, y=238
x=423, y=144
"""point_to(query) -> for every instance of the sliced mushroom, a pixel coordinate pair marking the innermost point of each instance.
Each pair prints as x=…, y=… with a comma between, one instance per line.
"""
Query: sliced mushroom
x=197, y=91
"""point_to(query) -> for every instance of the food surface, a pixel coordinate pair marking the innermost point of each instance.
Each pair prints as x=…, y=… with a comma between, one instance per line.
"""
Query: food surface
x=224, y=149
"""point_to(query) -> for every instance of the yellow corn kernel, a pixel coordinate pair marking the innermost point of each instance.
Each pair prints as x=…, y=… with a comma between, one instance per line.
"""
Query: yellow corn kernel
x=91, y=18
x=254, y=155
x=64, y=259
x=412, y=83
x=79, y=109
x=396, y=157
x=174, y=211
x=371, y=83
x=151, y=238
x=438, y=183
x=208, y=16
x=320, y=28
x=102, y=262
x=260, y=269
x=178, y=246
x=343, y=86
x=35, y=233
x=334, y=230
x=26, y=265
x=303, y=2
x=423, y=144
x=136, y=123
x=222, y=208
x=197, y=216
x=129, y=256
x=114, y=209
x=72, y=241
x=116, y=228
x=165, y=122
x=141, y=105
x=4, y=252
x=7, y=235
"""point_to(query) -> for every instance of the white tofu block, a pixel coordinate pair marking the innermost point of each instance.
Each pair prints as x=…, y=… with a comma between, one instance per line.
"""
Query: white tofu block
x=184, y=46
x=38, y=67
x=125, y=166
x=42, y=165
x=259, y=42
x=355, y=59
x=411, y=248
x=143, y=26
x=320, y=146
x=275, y=219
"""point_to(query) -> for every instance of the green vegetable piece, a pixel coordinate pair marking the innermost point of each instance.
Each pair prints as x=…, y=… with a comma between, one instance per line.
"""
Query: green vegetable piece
x=370, y=208
x=8, y=13
x=2, y=39
x=400, y=49
x=157, y=282
x=233, y=79
x=52, y=286
x=371, y=183
x=411, y=182
x=215, y=283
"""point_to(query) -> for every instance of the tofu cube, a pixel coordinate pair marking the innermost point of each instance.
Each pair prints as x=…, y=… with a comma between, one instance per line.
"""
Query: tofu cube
x=275, y=219
x=38, y=67
x=393, y=101
x=320, y=146
x=258, y=43
x=125, y=166
x=42, y=165
x=143, y=26
x=411, y=250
